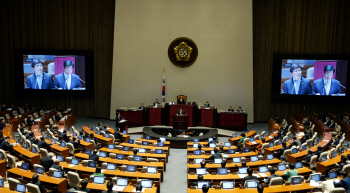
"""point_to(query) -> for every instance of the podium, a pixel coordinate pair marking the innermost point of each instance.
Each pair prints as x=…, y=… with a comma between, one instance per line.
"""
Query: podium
x=180, y=122
x=123, y=125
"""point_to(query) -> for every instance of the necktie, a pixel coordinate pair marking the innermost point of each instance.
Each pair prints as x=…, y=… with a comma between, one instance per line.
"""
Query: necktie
x=68, y=82
x=296, y=86
x=38, y=80
x=327, y=87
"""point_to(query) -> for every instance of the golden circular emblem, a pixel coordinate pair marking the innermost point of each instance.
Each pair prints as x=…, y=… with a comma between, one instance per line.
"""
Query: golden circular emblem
x=182, y=52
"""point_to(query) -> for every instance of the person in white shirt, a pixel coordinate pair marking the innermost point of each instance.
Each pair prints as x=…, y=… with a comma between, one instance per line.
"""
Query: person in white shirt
x=325, y=185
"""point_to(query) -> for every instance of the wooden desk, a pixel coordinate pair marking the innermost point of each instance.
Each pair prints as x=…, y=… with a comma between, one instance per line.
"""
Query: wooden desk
x=7, y=190
x=170, y=110
x=234, y=166
x=330, y=163
x=208, y=149
x=53, y=183
x=16, y=121
x=345, y=127
x=147, y=155
x=319, y=127
x=128, y=189
x=71, y=120
x=230, y=120
x=257, y=142
x=111, y=131
x=149, y=147
x=3, y=169
x=273, y=125
x=247, y=155
x=151, y=141
x=155, y=116
x=135, y=118
x=105, y=141
x=207, y=117
x=44, y=120
x=235, y=140
x=27, y=155
x=296, y=126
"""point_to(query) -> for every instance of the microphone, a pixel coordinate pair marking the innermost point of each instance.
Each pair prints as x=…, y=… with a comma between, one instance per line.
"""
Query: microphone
x=342, y=85
x=82, y=80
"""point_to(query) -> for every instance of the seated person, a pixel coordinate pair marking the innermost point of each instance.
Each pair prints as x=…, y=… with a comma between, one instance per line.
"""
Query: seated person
x=272, y=175
x=215, y=140
x=260, y=145
x=138, y=188
x=143, y=108
x=325, y=184
x=207, y=105
x=281, y=151
x=284, y=160
x=203, y=163
x=30, y=122
x=221, y=149
x=242, y=139
x=249, y=177
x=118, y=135
x=181, y=112
x=56, y=165
x=205, y=188
x=319, y=151
x=309, y=133
x=35, y=180
x=75, y=142
x=223, y=165
x=215, y=155
x=98, y=172
x=295, y=139
x=43, y=144
x=277, y=119
x=65, y=135
x=336, y=141
x=6, y=146
x=99, y=125
x=341, y=164
x=239, y=147
x=199, y=179
x=156, y=103
x=57, y=116
x=83, y=188
x=2, y=124
x=306, y=123
x=332, y=125
x=291, y=172
x=239, y=110
x=307, y=158
x=344, y=183
x=181, y=99
x=94, y=156
x=109, y=188
x=260, y=188
x=230, y=109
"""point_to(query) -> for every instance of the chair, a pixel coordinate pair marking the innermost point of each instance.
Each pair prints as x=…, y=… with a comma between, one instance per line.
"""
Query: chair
x=4, y=155
x=276, y=142
x=85, y=162
x=260, y=157
x=113, y=155
x=285, y=139
x=263, y=133
x=91, y=177
x=104, y=165
x=287, y=152
x=346, y=169
x=309, y=142
x=73, y=179
x=336, y=130
x=103, y=133
x=265, y=145
x=313, y=162
x=138, y=142
x=71, y=148
x=43, y=153
x=11, y=161
x=33, y=188
x=51, y=170
x=37, y=165
x=21, y=110
x=36, y=147
x=13, y=183
x=29, y=144
x=322, y=154
x=42, y=112
x=246, y=140
x=14, y=113
x=243, y=159
x=330, y=152
x=276, y=181
x=256, y=137
x=36, y=115
x=119, y=147
x=69, y=159
x=152, y=160
x=337, y=190
x=8, y=118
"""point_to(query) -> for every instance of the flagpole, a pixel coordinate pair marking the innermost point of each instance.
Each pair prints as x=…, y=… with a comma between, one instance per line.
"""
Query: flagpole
x=163, y=89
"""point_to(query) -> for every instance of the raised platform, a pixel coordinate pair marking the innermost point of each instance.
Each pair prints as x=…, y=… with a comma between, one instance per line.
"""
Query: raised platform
x=179, y=142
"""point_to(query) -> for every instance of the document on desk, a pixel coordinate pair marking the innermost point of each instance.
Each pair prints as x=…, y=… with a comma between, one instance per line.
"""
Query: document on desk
x=225, y=155
x=270, y=137
x=256, y=175
x=242, y=175
x=314, y=183
x=118, y=188
x=71, y=165
x=254, y=142
x=263, y=175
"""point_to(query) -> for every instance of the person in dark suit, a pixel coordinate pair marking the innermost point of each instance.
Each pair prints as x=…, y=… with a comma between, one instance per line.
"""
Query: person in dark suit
x=297, y=84
x=181, y=112
x=30, y=122
x=207, y=105
x=341, y=164
x=306, y=160
x=326, y=85
x=56, y=165
x=328, y=121
x=94, y=156
x=332, y=125
x=43, y=144
x=3, y=107
x=249, y=177
x=239, y=110
x=118, y=118
x=47, y=162
x=109, y=188
x=35, y=180
x=203, y=163
x=281, y=151
x=272, y=175
x=67, y=80
x=199, y=179
x=118, y=135
x=99, y=125
x=57, y=116
x=143, y=108
x=64, y=135
x=221, y=150
x=2, y=124
x=181, y=99
x=277, y=119
x=307, y=122
x=6, y=146
x=39, y=79
x=156, y=103
x=336, y=141
x=83, y=188
x=309, y=133
x=215, y=155
x=75, y=142
x=230, y=109
x=319, y=151
x=344, y=183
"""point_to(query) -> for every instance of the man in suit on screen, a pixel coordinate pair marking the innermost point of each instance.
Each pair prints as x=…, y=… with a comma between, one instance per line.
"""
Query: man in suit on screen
x=39, y=79
x=67, y=80
x=327, y=85
x=297, y=84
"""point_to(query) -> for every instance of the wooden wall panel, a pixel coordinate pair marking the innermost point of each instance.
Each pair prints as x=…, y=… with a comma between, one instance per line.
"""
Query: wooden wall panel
x=295, y=26
x=60, y=24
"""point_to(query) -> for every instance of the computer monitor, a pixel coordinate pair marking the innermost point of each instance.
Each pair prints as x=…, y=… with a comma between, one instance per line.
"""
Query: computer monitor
x=212, y=152
x=332, y=175
x=198, y=160
x=120, y=157
x=298, y=165
x=130, y=141
x=252, y=184
x=197, y=152
x=60, y=158
x=110, y=146
x=111, y=166
x=146, y=183
x=195, y=140
x=228, y=185
x=268, y=133
x=236, y=160
x=131, y=168
x=24, y=166
x=98, y=132
x=161, y=144
x=75, y=161
x=212, y=145
x=312, y=144
x=222, y=171
x=272, y=144
x=148, y=137
x=63, y=144
x=217, y=160
x=122, y=181
x=152, y=170
x=246, y=150
x=210, y=139
x=287, y=139
x=341, y=150
x=263, y=169
x=92, y=164
x=296, y=180
x=33, y=150
x=25, y=146
x=234, y=135
x=54, y=141
x=324, y=158
x=107, y=135
x=304, y=147
x=145, y=143
x=125, y=132
x=270, y=156
x=19, y=141
x=48, y=137
x=201, y=184
x=162, y=139
x=137, y=158
x=87, y=140
x=254, y=158
x=159, y=151
x=99, y=179
x=317, y=140
x=243, y=170
x=21, y=188
x=334, y=154
x=227, y=144
x=142, y=150
x=80, y=137
x=126, y=148
x=248, y=130
x=280, y=142
x=1, y=183
x=201, y=171
x=195, y=145
x=231, y=151
x=88, y=151
x=91, y=128
x=281, y=167
x=316, y=177
x=40, y=170
x=103, y=154
x=295, y=150
x=251, y=139
x=57, y=174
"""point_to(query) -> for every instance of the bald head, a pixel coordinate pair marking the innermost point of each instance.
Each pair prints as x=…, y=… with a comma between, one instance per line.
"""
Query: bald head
x=57, y=161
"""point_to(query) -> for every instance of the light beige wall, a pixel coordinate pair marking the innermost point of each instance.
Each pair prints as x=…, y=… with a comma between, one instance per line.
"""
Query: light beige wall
x=223, y=72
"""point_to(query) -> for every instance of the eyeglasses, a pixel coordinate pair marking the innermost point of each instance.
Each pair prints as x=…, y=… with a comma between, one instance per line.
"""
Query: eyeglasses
x=297, y=71
x=38, y=66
